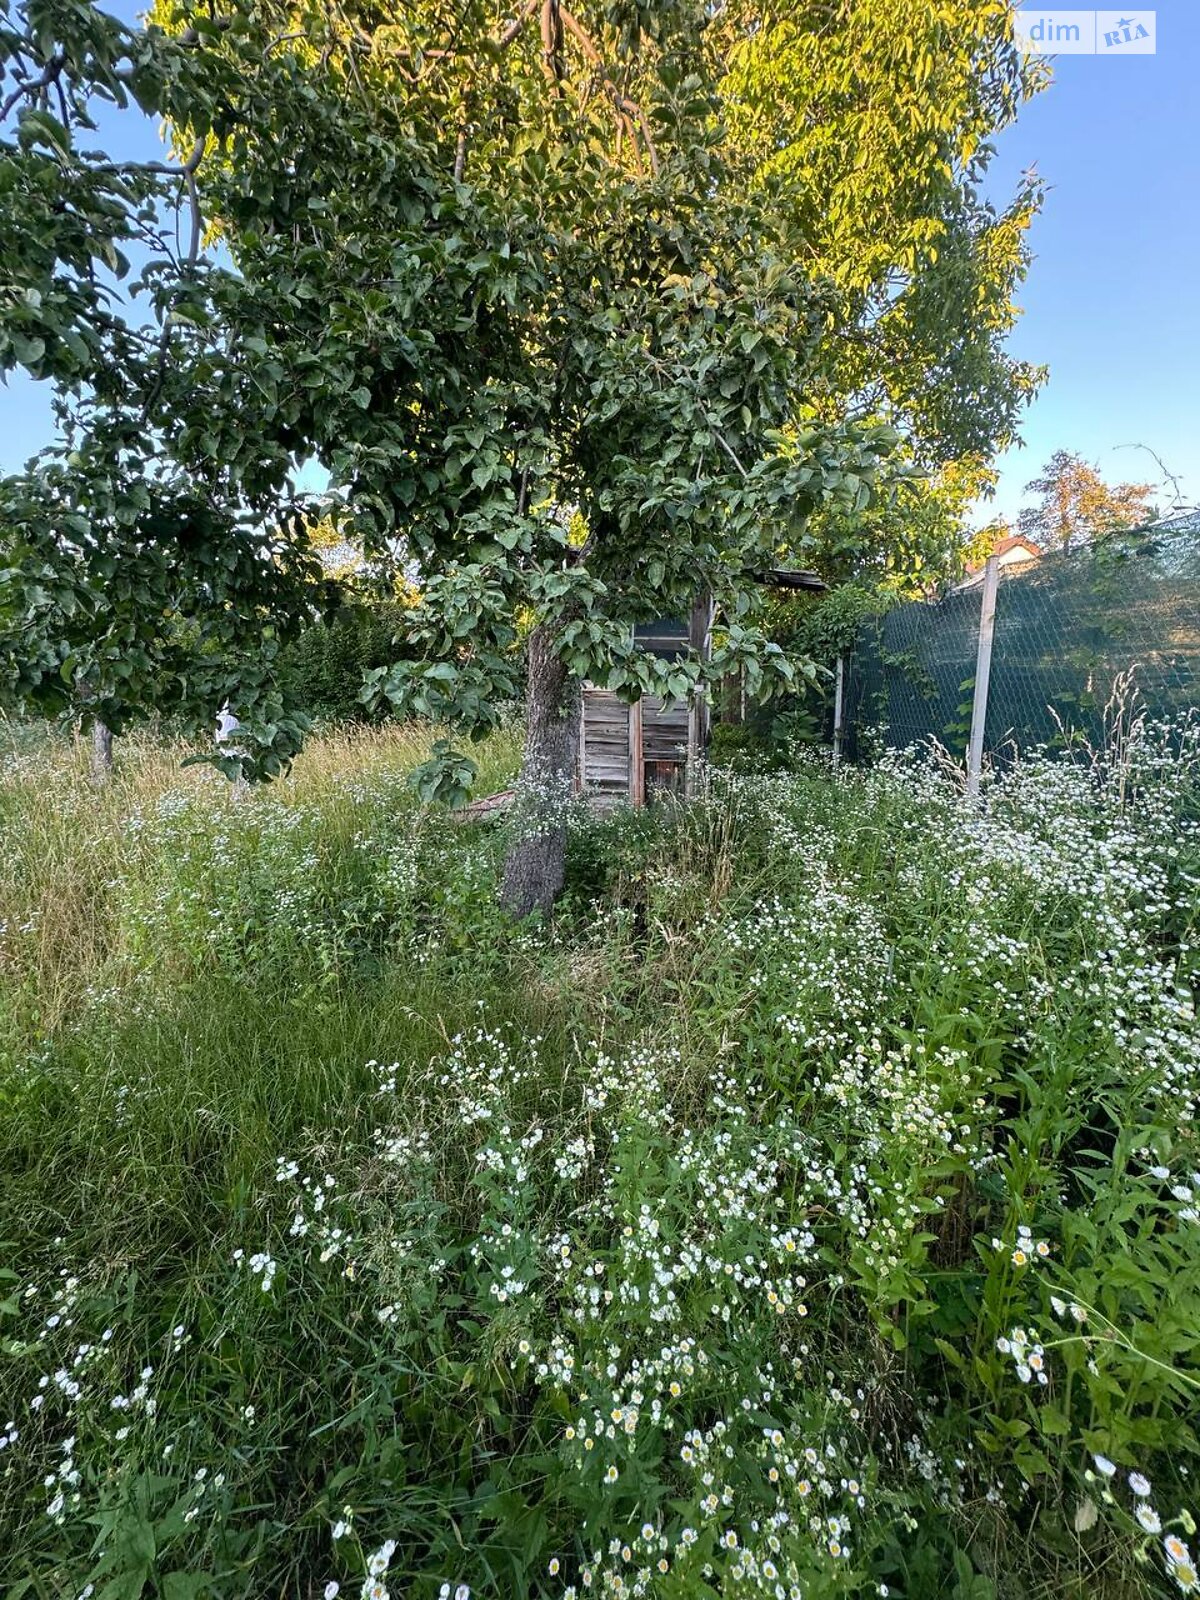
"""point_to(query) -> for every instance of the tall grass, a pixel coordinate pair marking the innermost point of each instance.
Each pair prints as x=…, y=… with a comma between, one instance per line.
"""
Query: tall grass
x=716, y=1238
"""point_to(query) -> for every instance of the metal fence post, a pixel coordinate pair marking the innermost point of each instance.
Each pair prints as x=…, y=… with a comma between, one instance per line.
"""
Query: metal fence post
x=839, y=706
x=983, y=672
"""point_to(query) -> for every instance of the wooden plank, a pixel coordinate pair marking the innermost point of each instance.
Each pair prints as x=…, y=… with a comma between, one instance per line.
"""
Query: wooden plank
x=665, y=776
x=637, y=762
x=700, y=639
x=700, y=625
x=665, y=735
x=604, y=745
x=602, y=724
x=488, y=809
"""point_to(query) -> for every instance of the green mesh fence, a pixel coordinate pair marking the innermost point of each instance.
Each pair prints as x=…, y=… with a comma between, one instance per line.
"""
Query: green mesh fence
x=1070, y=628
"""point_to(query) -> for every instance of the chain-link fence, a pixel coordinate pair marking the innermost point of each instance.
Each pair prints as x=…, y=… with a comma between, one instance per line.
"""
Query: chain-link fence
x=1070, y=628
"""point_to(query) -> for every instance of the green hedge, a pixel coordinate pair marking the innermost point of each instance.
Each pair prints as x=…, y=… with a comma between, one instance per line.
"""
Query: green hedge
x=325, y=667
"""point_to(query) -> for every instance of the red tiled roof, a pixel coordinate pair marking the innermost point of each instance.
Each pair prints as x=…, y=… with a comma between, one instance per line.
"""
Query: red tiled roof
x=1003, y=546
x=1014, y=541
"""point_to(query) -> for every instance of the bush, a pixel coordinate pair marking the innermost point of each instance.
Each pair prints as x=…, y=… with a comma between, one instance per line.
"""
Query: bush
x=325, y=667
x=818, y=628
x=756, y=746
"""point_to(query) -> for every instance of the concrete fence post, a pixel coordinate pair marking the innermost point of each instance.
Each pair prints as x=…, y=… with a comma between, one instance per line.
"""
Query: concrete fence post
x=983, y=672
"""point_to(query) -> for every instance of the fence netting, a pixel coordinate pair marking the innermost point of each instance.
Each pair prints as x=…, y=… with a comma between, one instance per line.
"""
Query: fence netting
x=1118, y=615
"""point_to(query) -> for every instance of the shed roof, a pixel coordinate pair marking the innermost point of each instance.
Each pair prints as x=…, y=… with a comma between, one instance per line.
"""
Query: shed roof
x=790, y=578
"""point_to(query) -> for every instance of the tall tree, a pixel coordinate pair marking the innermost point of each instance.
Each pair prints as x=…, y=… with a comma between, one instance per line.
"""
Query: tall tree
x=1075, y=505
x=555, y=330
x=128, y=583
x=546, y=290
x=879, y=117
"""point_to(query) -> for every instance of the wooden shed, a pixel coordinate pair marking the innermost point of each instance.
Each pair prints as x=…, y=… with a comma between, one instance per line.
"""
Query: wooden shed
x=629, y=753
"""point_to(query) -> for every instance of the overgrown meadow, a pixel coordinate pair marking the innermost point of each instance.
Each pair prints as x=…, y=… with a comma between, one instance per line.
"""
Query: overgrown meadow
x=811, y=1210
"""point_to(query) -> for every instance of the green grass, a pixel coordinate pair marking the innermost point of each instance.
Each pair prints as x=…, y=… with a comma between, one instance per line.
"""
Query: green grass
x=570, y=1241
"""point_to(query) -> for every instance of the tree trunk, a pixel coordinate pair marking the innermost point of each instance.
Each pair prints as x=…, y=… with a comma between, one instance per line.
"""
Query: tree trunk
x=534, y=866
x=102, y=759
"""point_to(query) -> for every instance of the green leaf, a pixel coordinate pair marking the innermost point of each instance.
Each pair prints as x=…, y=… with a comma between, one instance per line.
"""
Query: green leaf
x=42, y=127
x=180, y=1585
x=28, y=350
x=1086, y=1515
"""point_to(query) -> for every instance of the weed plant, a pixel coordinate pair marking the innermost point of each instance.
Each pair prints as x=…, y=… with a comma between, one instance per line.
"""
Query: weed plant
x=811, y=1210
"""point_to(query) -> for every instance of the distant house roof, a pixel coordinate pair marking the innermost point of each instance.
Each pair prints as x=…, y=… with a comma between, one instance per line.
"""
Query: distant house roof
x=1013, y=551
x=1018, y=541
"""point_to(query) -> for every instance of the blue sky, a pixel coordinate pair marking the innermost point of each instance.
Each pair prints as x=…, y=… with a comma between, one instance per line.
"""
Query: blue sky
x=1112, y=303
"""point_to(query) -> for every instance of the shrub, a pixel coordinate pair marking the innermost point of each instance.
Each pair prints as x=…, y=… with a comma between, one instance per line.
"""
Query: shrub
x=324, y=669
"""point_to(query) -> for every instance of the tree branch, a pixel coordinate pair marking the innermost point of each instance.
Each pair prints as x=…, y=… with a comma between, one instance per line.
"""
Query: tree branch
x=518, y=22
x=187, y=267
x=502, y=40
x=625, y=107
x=553, y=63
x=730, y=452
x=193, y=194
x=282, y=38
x=1168, y=475
x=34, y=86
x=184, y=169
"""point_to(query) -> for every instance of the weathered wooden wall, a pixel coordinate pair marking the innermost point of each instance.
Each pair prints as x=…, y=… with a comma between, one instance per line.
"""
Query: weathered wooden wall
x=627, y=752
x=664, y=743
x=604, y=763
